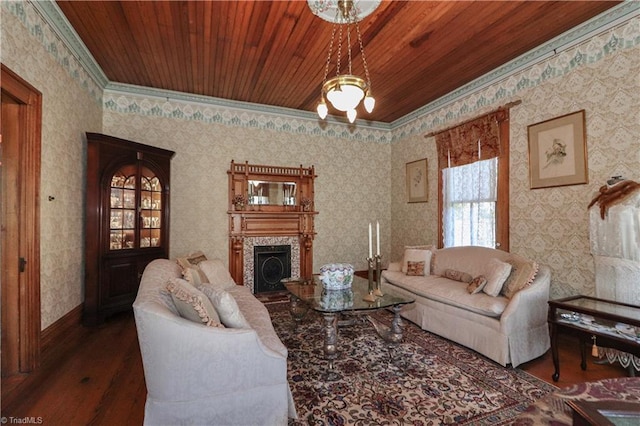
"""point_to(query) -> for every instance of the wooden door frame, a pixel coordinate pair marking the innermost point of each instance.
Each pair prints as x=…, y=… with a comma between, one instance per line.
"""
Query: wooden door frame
x=28, y=289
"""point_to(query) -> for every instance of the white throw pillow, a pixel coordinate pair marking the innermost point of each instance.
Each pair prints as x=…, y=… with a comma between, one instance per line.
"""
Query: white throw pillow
x=417, y=255
x=192, y=304
x=496, y=273
x=217, y=273
x=225, y=305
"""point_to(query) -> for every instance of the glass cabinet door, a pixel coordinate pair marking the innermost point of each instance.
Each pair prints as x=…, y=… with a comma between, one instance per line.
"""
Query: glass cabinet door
x=122, y=224
x=150, y=209
x=128, y=196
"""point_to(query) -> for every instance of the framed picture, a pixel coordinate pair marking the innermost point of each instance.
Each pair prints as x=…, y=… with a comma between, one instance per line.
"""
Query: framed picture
x=417, y=189
x=558, y=151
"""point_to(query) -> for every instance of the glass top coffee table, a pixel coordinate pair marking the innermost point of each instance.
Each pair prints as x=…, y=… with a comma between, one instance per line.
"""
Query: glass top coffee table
x=309, y=294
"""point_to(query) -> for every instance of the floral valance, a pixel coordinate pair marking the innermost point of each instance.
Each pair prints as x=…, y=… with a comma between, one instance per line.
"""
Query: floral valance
x=474, y=140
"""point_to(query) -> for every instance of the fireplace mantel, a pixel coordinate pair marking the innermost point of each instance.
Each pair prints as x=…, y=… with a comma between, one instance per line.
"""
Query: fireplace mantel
x=292, y=218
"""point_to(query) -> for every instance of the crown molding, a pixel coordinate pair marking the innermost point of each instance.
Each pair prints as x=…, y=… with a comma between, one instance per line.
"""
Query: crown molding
x=53, y=16
x=146, y=101
x=237, y=106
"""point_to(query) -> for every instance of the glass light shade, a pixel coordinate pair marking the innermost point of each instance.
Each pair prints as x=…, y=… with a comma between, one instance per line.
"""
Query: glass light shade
x=351, y=114
x=369, y=103
x=344, y=91
x=322, y=110
x=345, y=97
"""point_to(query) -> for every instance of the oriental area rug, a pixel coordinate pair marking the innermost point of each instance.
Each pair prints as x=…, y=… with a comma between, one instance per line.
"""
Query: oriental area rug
x=425, y=380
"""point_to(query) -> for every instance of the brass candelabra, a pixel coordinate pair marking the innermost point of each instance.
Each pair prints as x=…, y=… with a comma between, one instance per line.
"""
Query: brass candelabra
x=376, y=291
x=374, y=285
x=370, y=296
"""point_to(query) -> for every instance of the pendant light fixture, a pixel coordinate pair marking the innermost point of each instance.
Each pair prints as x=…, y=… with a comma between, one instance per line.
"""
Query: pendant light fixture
x=345, y=90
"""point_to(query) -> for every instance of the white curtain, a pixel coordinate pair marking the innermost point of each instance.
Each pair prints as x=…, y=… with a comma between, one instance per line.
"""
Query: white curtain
x=469, y=195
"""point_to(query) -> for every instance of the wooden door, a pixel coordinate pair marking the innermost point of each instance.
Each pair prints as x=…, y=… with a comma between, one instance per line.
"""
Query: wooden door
x=20, y=129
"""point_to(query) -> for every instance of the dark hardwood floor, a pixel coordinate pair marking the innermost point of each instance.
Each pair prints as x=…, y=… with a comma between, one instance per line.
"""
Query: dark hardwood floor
x=94, y=376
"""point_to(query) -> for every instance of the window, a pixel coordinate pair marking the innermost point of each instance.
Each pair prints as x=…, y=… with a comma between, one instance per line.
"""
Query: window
x=469, y=204
x=473, y=184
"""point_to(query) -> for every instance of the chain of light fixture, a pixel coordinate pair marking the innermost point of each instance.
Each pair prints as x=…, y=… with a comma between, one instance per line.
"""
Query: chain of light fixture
x=345, y=91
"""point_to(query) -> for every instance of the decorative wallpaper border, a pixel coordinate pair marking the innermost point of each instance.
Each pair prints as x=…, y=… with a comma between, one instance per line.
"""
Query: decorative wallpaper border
x=616, y=29
x=128, y=99
x=61, y=41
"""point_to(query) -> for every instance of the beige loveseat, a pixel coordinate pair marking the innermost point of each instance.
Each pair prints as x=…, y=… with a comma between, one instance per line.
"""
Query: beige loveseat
x=506, y=320
x=199, y=372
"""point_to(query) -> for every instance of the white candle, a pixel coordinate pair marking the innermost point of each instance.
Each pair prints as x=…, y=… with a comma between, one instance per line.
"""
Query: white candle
x=377, y=238
x=370, y=254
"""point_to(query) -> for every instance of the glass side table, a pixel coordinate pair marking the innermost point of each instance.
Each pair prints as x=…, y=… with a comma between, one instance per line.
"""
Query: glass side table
x=598, y=321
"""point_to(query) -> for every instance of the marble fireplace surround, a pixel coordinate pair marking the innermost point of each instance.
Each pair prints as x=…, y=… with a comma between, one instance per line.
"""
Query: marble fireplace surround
x=248, y=258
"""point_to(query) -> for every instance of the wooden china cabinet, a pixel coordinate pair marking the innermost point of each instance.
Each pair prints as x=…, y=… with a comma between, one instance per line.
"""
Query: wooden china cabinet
x=127, y=220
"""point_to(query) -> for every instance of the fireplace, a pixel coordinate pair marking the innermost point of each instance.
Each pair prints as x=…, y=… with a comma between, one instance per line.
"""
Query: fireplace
x=271, y=265
x=251, y=268
x=281, y=221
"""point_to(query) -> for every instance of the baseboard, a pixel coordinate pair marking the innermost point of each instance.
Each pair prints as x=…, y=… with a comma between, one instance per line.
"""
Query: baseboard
x=58, y=329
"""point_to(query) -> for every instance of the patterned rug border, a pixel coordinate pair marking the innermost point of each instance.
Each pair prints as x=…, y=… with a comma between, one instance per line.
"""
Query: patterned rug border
x=363, y=396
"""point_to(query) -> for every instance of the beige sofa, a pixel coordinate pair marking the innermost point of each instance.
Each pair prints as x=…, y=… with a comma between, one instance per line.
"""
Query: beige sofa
x=200, y=374
x=509, y=326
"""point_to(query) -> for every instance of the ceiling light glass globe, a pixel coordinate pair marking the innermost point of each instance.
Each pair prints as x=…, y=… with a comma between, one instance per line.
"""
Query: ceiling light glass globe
x=322, y=110
x=346, y=97
x=351, y=114
x=369, y=103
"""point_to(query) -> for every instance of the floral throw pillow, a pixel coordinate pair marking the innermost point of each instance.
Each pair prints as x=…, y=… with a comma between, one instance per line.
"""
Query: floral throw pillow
x=190, y=268
x=415, y=268
x=477, y=284
x=452, y=274
x=191, y=259
x=417, y=255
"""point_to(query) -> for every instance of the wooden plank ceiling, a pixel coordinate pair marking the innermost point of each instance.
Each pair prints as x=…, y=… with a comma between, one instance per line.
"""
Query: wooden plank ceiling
x=274, y=52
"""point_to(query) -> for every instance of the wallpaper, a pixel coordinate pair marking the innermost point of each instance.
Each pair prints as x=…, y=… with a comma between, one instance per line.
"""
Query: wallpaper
x=351, y=190
x=361, y=169
x=70, y=107
x=549, y=225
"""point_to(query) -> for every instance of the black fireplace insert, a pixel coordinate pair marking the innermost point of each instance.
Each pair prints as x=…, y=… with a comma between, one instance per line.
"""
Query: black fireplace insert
x=271, y=265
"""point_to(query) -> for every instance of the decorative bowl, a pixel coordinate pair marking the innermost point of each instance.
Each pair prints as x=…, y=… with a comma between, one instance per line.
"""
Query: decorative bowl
x=336, y=276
